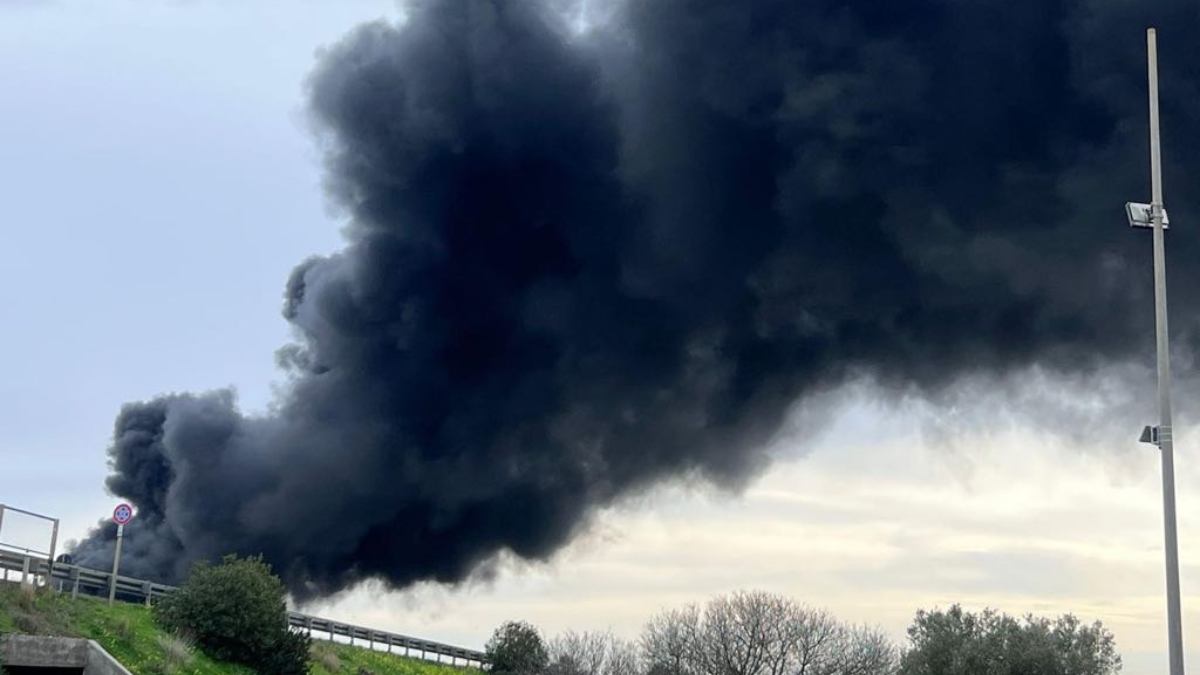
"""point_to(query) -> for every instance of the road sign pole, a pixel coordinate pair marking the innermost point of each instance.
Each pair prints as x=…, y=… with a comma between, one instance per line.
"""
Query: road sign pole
x=112, y=582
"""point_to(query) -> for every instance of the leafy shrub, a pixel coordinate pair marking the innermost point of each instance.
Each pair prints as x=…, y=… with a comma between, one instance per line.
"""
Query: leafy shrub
x=236, y=611
x=289, y=656
x=957, y=642
x=516, y=648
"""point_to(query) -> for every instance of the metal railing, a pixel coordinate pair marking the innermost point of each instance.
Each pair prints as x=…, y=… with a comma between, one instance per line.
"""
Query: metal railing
x=378, y=638
x=38, y=516
x=71, y=578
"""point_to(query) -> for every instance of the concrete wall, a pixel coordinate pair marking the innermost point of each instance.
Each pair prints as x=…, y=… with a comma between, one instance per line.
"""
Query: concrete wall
x=33, y=651
x=101, y=662
x=43, y=652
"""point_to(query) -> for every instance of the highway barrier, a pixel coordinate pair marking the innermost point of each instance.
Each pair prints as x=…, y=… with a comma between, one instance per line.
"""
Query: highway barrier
x=28, y=567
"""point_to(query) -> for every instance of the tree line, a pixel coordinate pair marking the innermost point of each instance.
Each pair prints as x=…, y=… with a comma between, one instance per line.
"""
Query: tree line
x=760, y=633
x=236, y=612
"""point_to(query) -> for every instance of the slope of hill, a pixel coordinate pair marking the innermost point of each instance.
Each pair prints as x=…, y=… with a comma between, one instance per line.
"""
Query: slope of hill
x=130, y=634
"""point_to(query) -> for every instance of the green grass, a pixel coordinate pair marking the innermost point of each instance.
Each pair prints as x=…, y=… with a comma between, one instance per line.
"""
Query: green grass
x=130, y=634
x=355, y=660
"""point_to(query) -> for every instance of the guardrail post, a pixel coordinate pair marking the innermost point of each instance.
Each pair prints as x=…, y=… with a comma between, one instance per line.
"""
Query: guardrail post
x=74, y=583
x=148, y=589
x=50, y=560
x=25, y=570
x=389, y=643
x=371, y=639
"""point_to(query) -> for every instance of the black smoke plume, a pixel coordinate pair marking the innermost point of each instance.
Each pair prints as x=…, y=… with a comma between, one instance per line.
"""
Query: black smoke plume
x=582, y=263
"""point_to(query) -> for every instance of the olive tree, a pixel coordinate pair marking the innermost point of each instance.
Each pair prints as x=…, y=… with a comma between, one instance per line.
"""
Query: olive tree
x=957, y=642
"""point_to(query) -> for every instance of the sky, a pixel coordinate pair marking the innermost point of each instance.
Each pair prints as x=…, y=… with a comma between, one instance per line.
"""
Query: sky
x=160, y=181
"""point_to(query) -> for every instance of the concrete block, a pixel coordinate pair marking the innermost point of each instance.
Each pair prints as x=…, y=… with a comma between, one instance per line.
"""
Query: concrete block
x=36, y=651
x=43, y=652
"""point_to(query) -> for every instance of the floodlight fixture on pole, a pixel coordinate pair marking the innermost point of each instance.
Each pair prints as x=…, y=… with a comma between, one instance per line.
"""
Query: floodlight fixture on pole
x=1141, y=215
x=1154, y=216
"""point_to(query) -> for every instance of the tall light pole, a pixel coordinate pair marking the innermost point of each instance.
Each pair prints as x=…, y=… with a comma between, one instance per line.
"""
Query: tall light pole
x=1153, y=215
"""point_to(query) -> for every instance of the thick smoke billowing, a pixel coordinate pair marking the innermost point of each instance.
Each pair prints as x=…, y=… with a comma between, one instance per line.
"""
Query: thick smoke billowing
x=580, y=264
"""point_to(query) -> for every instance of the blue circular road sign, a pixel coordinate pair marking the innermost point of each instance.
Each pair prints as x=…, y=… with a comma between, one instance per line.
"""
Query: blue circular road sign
x=123, y=514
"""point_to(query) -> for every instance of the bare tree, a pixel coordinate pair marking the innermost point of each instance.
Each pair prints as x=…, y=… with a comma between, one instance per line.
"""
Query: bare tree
x=832, y=648
x=818, y=641
x=780, y=635
x=669, y=642
x=867, y=651
x=730, y=639
x=594, y=653
x=746, y=633
x=758, y=633
x=574, y=653
x=623, y=658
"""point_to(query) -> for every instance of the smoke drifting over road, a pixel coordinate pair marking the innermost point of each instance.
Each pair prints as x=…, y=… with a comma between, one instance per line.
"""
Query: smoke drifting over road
x=581, y=264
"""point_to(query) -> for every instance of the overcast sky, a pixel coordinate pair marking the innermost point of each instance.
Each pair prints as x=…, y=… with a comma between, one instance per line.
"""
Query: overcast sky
x=158, y=183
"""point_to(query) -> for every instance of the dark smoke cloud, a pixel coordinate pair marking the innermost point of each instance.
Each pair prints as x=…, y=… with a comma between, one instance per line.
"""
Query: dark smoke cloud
x=580, y=265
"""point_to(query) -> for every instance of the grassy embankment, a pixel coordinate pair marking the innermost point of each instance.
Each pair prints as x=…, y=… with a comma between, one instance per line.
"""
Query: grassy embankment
x=130, y=634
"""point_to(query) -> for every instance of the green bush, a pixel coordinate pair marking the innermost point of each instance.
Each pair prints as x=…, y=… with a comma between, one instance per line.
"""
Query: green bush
x=516, y=648
x=236, y=612
x=957, y=642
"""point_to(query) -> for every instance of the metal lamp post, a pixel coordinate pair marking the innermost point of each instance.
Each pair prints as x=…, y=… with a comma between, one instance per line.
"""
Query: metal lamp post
x=1154, y=216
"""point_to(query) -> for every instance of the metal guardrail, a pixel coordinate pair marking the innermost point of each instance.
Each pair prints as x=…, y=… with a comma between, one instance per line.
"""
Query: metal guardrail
x=73, y=578
x=378, y=638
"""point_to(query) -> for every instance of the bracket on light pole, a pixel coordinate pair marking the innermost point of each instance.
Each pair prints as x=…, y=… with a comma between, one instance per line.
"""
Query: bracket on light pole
x=1150, y=436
